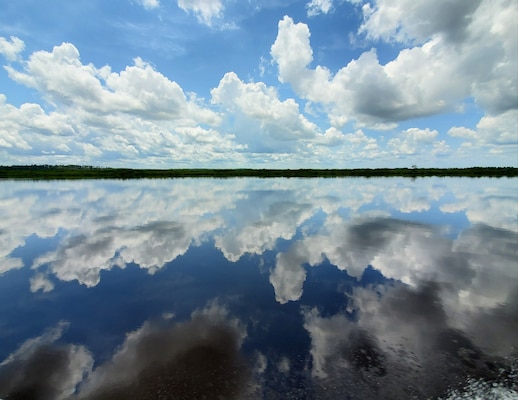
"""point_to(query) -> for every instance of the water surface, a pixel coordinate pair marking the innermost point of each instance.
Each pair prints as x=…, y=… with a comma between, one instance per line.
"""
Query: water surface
x=259, y=289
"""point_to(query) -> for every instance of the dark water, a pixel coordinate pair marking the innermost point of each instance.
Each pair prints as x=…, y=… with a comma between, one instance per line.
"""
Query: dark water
x=259, y=289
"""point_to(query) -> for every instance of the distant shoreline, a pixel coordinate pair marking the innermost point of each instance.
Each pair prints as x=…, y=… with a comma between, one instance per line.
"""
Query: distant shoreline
x=46, y=172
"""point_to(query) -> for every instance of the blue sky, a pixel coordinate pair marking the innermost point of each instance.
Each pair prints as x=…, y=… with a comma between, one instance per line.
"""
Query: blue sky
x=284, y=84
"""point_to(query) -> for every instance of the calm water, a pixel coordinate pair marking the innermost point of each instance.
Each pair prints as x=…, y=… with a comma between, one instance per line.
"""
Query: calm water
x=259, y=289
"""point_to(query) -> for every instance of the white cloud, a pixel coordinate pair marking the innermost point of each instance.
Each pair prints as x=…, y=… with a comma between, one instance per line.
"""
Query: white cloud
x=472, y=53
x=12, y=48
x=444, y=56
x=149, y=4
x=363, y=145
x=364, y=90
x=316, y=7
x=23, y=128
x=407, y=20
x=292, y=52
x=441, y=149
x=499, y=129
x=140, y=90
x=260, y=104
x=204, y=10
x=137, y=113
x=413, y=141
x=462, y=132
x=493, y=133
x=331, y=137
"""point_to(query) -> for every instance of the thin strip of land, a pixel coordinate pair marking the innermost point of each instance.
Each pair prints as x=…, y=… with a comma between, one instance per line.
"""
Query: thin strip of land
x=47, y=172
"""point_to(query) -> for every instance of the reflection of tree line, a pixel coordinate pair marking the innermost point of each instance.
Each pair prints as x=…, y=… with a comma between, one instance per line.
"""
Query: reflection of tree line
x=85, y=172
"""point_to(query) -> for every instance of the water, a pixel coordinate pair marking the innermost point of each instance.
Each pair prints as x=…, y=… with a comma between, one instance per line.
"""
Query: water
x=259, y=289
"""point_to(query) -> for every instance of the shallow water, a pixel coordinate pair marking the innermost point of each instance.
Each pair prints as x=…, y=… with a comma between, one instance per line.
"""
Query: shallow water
x=259, y=289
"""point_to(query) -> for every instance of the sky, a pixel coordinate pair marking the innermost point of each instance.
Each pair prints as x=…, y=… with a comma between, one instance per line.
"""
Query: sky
x=259, y=84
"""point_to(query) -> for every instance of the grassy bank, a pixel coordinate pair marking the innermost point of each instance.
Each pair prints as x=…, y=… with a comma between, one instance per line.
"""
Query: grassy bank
x=86, y=172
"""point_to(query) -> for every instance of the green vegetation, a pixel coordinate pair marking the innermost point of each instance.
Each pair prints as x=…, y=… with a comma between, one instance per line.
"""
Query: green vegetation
x=38, y=172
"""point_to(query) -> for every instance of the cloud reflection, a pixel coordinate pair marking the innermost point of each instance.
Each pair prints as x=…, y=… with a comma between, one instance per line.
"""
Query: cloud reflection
x=197, y=358
x=107, y=224
x=43, y=370
x=402, y=346
x=445, y=289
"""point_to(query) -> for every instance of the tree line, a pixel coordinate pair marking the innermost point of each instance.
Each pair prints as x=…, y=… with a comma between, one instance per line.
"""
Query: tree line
x=93, y=172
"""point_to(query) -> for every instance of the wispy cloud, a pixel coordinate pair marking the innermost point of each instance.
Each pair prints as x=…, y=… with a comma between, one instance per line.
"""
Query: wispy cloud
x=149, y=4
x=206, y=11
x=11, y=48
x=316, y=7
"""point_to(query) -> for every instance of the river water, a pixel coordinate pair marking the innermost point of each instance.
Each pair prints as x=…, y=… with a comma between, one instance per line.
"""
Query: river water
x=259, y=289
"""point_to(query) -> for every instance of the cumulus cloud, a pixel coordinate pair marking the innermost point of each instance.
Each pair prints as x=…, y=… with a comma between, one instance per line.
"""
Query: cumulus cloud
x=499, y=129
x=462, y=132
x=11, y=48
x=495, y=134
x=451, y=54
x=64, y=80
x=413, y=141
x=204, y=10
x=346, y=146
x=471, y=53
x=28, y=127
x=260, y=105
x=101, y=114
x=265, y=124
x=405, y=21
x=364, y=90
